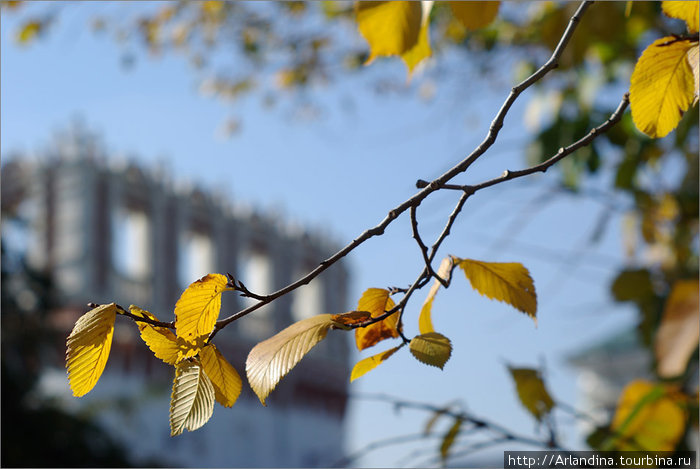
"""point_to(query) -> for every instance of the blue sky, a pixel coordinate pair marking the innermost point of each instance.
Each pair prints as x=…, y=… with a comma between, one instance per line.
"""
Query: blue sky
x=342, y=173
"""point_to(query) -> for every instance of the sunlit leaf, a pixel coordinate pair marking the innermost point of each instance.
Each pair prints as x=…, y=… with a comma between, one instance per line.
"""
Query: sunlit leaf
x=377, y=301
x=425, y=321
x=390, y=28
x=449, y=438
x=678, y=335
x=192, y=399
x=421, y=50
x=692, y=57
x=162, y=341
x=29, y=31
x=532, y=391
x=431, y=348
x=683, y=10
x=198, y=308
x=271, y=360
x=343, y=320
x=648, y=417
x=224, y=377
x=87, y=348
x=509, y=282
x=368, y=364
x=662, y=86
x=475, y=15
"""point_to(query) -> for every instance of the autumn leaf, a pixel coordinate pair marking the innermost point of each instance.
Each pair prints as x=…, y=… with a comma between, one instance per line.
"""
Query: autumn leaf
x=532, y=392
x=29, y=31
x=224, y=377
x=390, y=28
x=421, y=50
x=431, y=348
x=449, y=438
x=377, y=301
x=678, y=335
x=686, y=11
x=87, y=348
x=662, y=86
x=368, y=364
x=344, y=320
x=692, y=57
x=192, y=399
x=648, y=417
x=161, y=340
x=425, y=321
x=509, y=282
x=198, y=308
x=475, y=15
x=271, y=360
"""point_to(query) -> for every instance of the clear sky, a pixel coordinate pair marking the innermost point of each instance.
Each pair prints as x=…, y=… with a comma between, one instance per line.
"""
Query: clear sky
x=343, y=172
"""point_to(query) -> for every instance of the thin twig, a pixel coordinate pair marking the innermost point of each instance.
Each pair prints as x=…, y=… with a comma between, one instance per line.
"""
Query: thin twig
x=424, y=248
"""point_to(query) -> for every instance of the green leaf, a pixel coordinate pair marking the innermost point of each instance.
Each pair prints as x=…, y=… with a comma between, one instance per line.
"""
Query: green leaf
x=509, y=282
x=272, y=359
x=87, y=348
x=192, y=399
x=431, y=348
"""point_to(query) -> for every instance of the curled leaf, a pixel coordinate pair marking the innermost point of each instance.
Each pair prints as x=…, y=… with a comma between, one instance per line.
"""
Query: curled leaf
x=368, y=364
x=376, y=301
x=224, y=377
x=343, y=320
x=192, y=399
x=271, y=360
x=87, y=348
x=431, y=348
x=198, y=308
x=509, y=282
x=425, y=321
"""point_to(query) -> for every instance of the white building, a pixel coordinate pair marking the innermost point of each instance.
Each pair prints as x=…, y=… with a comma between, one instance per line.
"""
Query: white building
x=109, y=231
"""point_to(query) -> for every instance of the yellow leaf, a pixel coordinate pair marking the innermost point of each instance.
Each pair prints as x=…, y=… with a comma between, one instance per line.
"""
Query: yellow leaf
x=432, y=349
x=449, y=438
x=686, y=11
x=678, y=335
x=390, y=28
x=421, y=50
x=662, y=86
x=648, y=417
x=161, y=340
x=88, y=348
x=368, y=364
x=29, y=31
x=475, y=15
x=503, y=281
x=198, y=308
x=271, y=360
x=377, y=301
x=192, y=399
x=425, y=321
x=226, y=380
x=532, y=391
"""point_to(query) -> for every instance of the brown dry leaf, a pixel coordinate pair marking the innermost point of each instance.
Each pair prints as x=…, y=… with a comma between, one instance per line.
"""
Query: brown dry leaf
x=678, y=335
x=377, y=301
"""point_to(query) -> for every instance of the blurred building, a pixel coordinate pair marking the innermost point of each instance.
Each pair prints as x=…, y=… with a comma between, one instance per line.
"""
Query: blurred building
x=108, y=230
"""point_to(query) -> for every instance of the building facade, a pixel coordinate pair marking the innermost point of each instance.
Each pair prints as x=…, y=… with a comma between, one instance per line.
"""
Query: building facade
x=108, y=230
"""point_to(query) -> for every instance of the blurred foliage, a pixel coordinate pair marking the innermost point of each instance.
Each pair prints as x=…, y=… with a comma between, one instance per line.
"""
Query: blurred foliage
x=277, y=50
